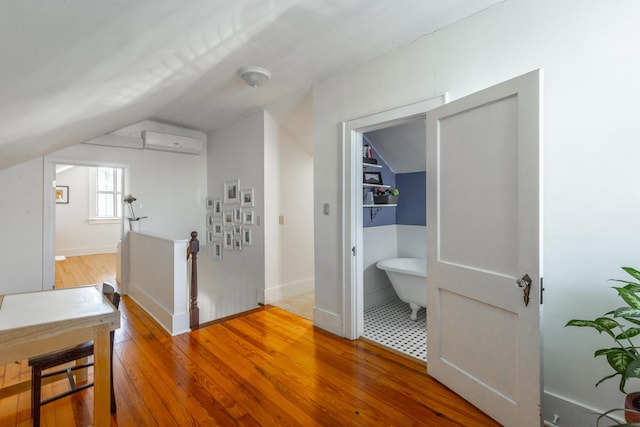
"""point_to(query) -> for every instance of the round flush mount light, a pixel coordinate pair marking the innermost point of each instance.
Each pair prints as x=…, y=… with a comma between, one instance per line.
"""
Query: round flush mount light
x=254, y=76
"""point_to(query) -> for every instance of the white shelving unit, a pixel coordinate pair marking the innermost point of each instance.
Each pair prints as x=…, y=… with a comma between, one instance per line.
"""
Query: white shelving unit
x=375, y=208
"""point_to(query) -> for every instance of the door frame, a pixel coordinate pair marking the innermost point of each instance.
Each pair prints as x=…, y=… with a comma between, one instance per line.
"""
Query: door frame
x=49, y=211
x=352, y=261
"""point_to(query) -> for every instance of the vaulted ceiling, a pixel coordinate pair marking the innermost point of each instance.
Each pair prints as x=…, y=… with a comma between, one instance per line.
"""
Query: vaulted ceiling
x=71, y=70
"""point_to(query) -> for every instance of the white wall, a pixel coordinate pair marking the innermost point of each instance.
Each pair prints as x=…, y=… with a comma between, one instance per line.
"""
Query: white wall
x=591, y=58
x=296, y=207
x=75, y=235
x=21, y=227
x=237, y=283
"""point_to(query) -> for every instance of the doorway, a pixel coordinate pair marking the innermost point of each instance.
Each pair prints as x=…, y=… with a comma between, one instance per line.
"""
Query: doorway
x=88, y=224
x=354, y=249
x=394, y=237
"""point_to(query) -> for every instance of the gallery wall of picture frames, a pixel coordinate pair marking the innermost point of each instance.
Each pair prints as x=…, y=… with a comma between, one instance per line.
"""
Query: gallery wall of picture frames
x=229, y=219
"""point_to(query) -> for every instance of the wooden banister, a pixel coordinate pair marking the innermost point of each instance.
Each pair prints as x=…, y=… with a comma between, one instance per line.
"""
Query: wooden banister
x=194, y=311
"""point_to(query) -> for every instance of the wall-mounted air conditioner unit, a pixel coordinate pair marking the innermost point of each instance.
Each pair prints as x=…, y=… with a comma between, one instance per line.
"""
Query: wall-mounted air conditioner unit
x=175, y=143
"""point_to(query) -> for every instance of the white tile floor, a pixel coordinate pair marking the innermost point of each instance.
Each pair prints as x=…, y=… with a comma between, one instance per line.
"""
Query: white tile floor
x=389, y=324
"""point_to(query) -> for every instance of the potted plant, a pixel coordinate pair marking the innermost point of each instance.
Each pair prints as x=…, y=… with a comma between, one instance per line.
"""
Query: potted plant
x=386, y=196
x=622, y=325
x=134, y=223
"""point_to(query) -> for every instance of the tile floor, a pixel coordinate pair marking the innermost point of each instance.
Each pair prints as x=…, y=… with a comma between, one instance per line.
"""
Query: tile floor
x=389, y=324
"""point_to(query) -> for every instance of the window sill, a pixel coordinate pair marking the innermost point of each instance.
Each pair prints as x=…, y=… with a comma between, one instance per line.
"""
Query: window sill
x=96, y=221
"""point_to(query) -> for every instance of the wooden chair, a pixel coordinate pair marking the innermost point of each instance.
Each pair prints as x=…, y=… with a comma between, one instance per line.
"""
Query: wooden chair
x=80, y=354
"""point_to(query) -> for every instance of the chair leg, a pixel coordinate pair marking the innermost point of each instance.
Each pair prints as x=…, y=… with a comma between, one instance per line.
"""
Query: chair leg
x=36, y=392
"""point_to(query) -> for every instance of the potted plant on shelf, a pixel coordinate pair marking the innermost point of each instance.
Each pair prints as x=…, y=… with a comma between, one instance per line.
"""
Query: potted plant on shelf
x=386, y=196
x=134, y=223
x=622, y=325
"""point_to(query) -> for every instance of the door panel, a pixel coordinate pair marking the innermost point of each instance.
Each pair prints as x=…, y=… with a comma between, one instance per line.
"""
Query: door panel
x=483, y=163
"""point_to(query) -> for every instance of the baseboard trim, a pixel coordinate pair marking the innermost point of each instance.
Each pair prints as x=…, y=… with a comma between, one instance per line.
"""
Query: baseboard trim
x=330, y=322
x=570, y=414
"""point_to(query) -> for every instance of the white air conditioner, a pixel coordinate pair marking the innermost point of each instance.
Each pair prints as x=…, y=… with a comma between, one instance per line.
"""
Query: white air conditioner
x=175, y=143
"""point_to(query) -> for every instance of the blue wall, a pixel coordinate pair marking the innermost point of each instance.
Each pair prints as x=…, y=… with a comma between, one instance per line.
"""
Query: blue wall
x=412, y=204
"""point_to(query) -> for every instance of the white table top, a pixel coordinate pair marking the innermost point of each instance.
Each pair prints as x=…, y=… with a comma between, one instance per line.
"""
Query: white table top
x=36, y=308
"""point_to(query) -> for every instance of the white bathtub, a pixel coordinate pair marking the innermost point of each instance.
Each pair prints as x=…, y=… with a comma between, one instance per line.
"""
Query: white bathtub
x=408, y=277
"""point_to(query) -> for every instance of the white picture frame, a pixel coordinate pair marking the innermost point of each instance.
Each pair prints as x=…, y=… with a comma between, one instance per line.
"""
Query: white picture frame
x=209, y=220
x=217, y=230
x=217, y=207
x=227, y=218
x=237, y=215
x=232, y=192
x=237, y=231
x=246, y=198
x=208, y=203
x=228, y=239
x=237, y=244
x=246, y=236
x=217, y=250
x=209, y=237
x=247, y=217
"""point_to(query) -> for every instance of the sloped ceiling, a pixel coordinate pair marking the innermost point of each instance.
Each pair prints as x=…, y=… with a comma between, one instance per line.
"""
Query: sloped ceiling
x=71, y=70
x=403, y=147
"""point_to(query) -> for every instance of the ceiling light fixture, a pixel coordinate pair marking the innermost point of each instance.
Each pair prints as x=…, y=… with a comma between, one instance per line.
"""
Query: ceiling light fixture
x=254, y=76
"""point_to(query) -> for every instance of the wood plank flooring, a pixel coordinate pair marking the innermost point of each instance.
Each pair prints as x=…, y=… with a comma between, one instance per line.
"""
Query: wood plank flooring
x=82, y=270
x=264, y=368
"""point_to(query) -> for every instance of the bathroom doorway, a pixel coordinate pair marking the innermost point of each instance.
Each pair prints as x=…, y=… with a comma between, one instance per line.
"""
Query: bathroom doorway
x=365, y=285
x=394, y=234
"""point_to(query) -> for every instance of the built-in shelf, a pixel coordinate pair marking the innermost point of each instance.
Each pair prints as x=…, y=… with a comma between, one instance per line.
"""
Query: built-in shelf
x=376, y=186
x=380, y=205
x=371, y=165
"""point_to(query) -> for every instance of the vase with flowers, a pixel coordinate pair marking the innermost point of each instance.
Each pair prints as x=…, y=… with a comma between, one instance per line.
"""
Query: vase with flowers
x=134, y=221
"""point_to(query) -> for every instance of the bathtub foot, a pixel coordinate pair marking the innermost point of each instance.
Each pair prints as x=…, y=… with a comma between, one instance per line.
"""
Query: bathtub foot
x=414, y=311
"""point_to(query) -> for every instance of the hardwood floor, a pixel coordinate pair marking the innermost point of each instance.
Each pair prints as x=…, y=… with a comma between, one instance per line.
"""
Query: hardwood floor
x=264, y=368
x=86, y=269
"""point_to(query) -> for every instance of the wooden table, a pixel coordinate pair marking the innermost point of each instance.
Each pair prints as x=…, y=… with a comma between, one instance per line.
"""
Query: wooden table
x=35, y=323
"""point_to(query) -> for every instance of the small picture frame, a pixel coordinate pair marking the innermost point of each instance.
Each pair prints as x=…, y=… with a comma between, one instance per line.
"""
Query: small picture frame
x=217, y=207
x=232, y=192
x=209, y=203
x=209, y=220
x=237, y=231
x=372, y=178
x=217, y=250
x=217, y=230
x=209, y=237
x=246, y=236
x=246, y=198
x=228, y=239
x=247, y=217
x=237, y=216
x=227, y=218
x=62, y=194
x=237, y=244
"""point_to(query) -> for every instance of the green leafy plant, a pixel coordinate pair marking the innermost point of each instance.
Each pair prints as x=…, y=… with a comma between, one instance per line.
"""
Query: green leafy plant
x=387, y=191
x=621, y=325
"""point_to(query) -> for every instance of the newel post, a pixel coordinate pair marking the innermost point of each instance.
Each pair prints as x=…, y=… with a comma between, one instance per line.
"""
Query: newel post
x=194, y=311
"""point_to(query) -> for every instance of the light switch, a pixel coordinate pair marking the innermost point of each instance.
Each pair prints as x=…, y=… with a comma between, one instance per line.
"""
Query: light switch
x=325, y=208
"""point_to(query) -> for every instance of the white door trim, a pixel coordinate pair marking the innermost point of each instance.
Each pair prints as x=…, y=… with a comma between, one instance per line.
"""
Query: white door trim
x=352, y=130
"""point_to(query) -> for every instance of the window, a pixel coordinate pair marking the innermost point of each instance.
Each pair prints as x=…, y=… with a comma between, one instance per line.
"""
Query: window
x=108, y=193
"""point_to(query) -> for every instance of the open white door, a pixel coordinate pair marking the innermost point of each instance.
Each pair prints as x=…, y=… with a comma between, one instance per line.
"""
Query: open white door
x=484, y=236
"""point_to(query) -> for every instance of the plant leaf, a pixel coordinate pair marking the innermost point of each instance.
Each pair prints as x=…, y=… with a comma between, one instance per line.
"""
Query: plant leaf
x=632, y=272
x=619, y=359
x=629, y=333
x=633, y=370
x=627, y=312
x=629, y=297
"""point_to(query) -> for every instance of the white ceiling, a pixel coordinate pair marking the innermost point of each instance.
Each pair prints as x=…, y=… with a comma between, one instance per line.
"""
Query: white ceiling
x=71, y=70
